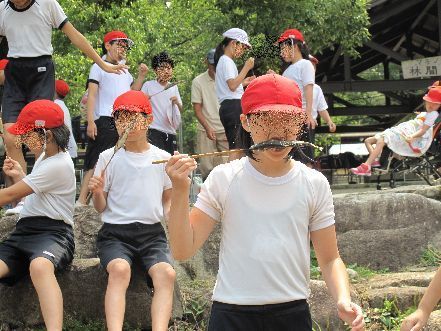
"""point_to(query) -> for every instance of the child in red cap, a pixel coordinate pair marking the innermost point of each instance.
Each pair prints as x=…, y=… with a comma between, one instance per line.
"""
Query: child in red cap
x=133, y=197
x=61, y=91
x=30, y=74
x=264, y=261
x=42, y=241
x=103, y=89
x=411, y=138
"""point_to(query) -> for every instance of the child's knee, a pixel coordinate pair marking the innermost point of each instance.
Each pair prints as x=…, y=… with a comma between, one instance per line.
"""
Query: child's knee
x=40, y=267
x=119, y=270
x=163, y=275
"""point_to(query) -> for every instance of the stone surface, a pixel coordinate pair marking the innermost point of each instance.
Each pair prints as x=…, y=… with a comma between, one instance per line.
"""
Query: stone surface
x=434, y=323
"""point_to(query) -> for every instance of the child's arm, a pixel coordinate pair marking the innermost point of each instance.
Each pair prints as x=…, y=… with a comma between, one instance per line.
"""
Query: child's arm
x=327, y=118
x=336, y=277
x=91, y=126
x=417, y=320
x=234, y=83
x=419, y=133
x=99, y=197
x=166, y=203
x=20, y=189
x=82, y=44
x=142, y=73
x=187, y=232
x=308, y=91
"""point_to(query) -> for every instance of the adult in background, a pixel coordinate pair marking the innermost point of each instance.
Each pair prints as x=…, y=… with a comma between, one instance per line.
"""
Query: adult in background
x=211, y=133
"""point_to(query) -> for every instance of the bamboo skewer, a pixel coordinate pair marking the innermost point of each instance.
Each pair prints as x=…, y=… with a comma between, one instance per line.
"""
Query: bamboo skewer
x=261, y=146
x=166, y=88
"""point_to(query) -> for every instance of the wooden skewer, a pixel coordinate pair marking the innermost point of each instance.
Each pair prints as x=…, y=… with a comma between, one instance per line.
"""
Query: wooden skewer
x=254, y=147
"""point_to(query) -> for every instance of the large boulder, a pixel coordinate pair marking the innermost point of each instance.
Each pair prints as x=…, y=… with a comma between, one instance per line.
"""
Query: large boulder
x=83, y=284
x=386, y=230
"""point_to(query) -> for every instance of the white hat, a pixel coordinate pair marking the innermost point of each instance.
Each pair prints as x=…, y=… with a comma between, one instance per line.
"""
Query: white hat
x=237, y=34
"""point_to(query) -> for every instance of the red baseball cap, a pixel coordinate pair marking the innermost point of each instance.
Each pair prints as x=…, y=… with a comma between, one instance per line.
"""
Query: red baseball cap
x=61, y=87
x=272, y=92
x=434, y=96
x=38, y=114
x=134, y=101
x=117, y=35
x=3, y=64
x=291, y=34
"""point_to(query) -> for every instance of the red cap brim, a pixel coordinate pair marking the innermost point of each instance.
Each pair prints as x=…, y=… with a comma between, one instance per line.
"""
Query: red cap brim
x=429, y=99
x=19, y=129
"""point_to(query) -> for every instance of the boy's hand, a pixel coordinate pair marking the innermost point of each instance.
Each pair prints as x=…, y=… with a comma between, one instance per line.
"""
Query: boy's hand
x=352, y=314
x=249, y=64
x=114, y=68
x=248, y=80
x=13, y=169
x=92, y=130
x=178, y=168
x=271, y=71
x=96, y=184
x=415, y=321
x=143, y=70
x=174, y=100
x=310, y=121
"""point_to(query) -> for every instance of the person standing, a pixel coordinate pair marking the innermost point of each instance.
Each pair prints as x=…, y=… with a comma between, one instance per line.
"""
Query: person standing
x=230, y=83
x=210, y=131
x=166, y=104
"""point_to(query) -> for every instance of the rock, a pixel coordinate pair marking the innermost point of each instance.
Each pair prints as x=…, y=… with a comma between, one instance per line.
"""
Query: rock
x=385, y=230
x=352, y=273
x=404, y=298
x=83, y=286
x=402, y=279
x=434, y=323
x=431, y=192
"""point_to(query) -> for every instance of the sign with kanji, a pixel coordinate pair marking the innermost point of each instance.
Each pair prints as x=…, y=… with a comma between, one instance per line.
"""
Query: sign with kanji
x=426, y=67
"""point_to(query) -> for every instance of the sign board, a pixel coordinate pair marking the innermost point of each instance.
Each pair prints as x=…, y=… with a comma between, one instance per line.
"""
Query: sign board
x=425, y=67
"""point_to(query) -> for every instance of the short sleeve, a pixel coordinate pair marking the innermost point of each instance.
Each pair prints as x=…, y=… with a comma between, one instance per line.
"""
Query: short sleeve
x=431, y=118
x=145, y=88
x=229, y=69
x=323, y=212
x=167, y=181
x=57, y=15
x=46, y=177
x=321, y=101
x=95, y=75
x=308, y=73
x=210, y=199
x=196, y=92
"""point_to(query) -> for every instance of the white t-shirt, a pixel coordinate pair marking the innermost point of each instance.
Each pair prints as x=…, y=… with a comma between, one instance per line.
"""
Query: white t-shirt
x=110, y=86
x=226, y=69
x=72, y=147
x=54, y=185
x=303, y=73
x=166, y=116
x=266, y=222
x=134, y=185
x=318, y=101
x=203, y=91
x=29, y=31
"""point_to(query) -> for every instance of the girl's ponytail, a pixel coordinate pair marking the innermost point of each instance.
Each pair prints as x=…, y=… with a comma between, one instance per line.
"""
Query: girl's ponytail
x=220, y=50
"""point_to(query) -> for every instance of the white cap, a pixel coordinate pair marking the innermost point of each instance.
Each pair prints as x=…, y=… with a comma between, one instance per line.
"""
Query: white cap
x=237, y=34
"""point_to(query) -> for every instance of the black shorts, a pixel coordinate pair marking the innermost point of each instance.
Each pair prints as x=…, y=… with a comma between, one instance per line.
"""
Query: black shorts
x=229, y=113
x=289, y=316
x=142, y=244
x=36, y=237
x=162, y=140
x=307, y=135
x=26, y=80
x=107, y=137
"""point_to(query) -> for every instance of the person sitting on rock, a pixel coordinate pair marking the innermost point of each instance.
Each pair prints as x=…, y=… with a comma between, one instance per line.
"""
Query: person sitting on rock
x=270, y=207
x=133, y=196
x=417, y=320
x=411, y=138
x=43, y=239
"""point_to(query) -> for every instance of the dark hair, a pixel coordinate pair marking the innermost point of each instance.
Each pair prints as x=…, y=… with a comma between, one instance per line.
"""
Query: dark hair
x=61, y=136
x=61, y=97
x=220, y=49
x=160, y=59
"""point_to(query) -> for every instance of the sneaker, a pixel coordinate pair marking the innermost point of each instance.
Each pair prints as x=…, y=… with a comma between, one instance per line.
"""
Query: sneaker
x=16, y=210
x=362, y=170
x=376, y=164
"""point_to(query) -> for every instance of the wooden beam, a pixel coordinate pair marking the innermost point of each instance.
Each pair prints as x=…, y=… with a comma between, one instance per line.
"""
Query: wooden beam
x=355, y=128
x=376, y=85
x=370, y=110
x=394, y=9
x=386, y=51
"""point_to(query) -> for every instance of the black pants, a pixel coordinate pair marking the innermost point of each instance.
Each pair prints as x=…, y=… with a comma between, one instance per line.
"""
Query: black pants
x=162, y=140
x=229, y=113
x=289, y=316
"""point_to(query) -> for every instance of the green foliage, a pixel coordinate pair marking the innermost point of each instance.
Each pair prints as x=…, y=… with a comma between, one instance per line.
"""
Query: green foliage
x=431, y=257
x=389, y=317
x=188, y=29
